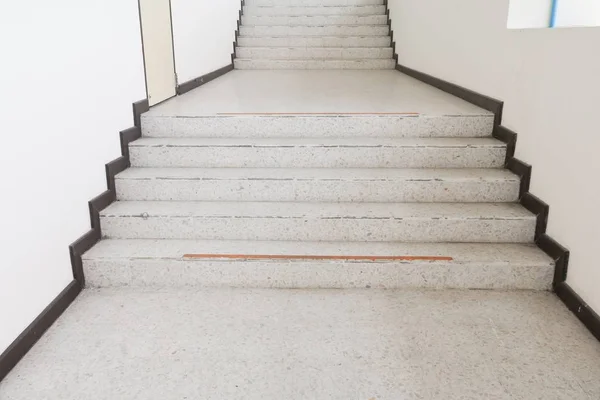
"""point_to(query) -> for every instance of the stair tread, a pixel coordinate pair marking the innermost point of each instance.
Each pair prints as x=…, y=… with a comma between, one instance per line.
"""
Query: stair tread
x=501, y=253
x=317, y=26
x=319, y=141
x=312, y=37
x=341, y=174
x=315, y=47
x=322, y=210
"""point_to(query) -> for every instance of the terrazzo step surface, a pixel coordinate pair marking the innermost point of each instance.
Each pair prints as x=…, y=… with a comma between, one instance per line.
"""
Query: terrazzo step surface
x=315, y=3
x=322, y=184
x=314, y=10
x=313, y=41
x=161, y=263
x=312, y=53
x=346, y=64
x=408, y=222
x=329, y=30
x=328, y=125
x=318, y=152
x=313, y=20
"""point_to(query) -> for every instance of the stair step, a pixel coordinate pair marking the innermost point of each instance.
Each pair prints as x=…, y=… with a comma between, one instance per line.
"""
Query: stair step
x=318, y=184
x=160, y=263
x=318, y=152
x=242, y=63
x=314, y=41
x=313, y=20
x=313, y=3
x=315, y=10
x=408, y=222
x=329, y=30
x=327, y=125
x=297, y=53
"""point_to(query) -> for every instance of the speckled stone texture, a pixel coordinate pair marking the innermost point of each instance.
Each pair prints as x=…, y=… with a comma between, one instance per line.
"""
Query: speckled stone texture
x=318, y=152
x=410, y=222
x=269, y=64
x=338, y=163
x=314, y=20
x=329, y=30
x=336, y=126
x=312, y=3
x=161, y=263
x=311, y=41
x=298, y=344
x=318, y=184
x=333, y=53
x=315, y=10
x=304, y=21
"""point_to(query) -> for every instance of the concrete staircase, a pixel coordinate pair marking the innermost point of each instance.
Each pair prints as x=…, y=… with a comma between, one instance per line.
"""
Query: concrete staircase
x=315, y=34
x=315, y=201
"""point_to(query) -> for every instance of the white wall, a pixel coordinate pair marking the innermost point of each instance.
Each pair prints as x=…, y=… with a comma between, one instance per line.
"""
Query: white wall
x=70, y=71
x=203, y=33
x=529, y=14
x=578, y=13
x=548, y=79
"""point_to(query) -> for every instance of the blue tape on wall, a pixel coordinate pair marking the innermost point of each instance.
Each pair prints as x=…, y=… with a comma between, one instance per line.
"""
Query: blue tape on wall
x=553, y=13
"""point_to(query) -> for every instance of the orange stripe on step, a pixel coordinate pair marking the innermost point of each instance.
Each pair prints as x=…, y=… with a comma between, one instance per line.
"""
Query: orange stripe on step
x=331, y=113
x=315, y=257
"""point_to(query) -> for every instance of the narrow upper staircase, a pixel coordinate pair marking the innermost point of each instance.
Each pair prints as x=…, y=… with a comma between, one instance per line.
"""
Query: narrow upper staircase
x=314, y=34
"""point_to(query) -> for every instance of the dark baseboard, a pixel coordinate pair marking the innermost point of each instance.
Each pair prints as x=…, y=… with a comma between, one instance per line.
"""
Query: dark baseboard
x=551, y=247
x=390, y=31
x=100, y=202
x=21, y=345
x=237, y=31
x=559, y=254
x=480, y=100
x=509, y=137
x=201, y=80
x=523, y=171
x=580, y=308
x=541, y=210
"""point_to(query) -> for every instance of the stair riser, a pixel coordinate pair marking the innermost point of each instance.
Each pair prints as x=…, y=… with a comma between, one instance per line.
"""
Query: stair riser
x=167, y=273
x=280, y=53
x=365, y=30
x=314, y=64
x=331, y=41
x=297, y=11
x=320, y=229
x=316, y=3
x=317, y=126
x=314, y=20
x=318, y=157
x=310, y=190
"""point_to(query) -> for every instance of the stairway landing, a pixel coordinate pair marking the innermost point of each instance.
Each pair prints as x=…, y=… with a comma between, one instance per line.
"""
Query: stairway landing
x=315, y=92
x=305, y=344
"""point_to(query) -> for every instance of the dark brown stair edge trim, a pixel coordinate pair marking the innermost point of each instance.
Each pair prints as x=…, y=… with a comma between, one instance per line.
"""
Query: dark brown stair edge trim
x=391, y=32
x=22, y=344
x=100, y=202
x=551, y=247
x=485, y=102
x=589, y=318
x=201, y=80
x=28, y=338
x=480, y=100
x=237, y=31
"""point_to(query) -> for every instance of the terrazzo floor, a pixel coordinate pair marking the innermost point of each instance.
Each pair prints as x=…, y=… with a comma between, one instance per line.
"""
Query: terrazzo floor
x=303, y=344
x=315, y=92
